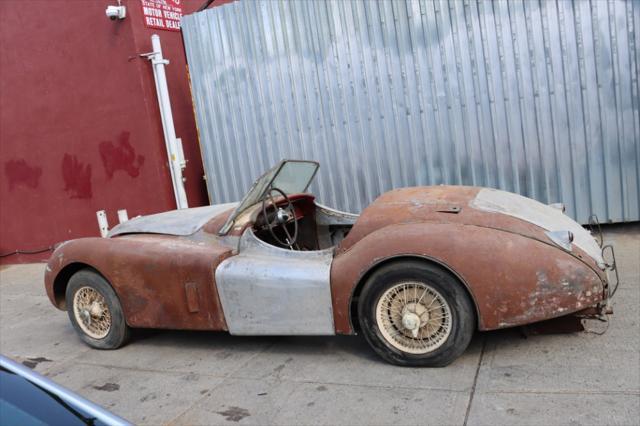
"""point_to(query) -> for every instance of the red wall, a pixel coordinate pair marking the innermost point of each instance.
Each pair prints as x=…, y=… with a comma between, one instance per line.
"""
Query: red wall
x=80, y=129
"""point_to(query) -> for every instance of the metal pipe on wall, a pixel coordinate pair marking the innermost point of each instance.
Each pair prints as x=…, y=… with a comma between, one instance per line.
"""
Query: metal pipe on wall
x=173, y=144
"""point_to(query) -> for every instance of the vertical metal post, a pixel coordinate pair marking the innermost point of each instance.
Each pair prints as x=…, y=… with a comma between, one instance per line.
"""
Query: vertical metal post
x=103, y=223
x=173, y=144
x=123, y=216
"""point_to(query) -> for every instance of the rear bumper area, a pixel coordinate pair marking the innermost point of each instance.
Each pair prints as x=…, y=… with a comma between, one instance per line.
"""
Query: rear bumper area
x=570, y=323
x=575, y=322
x=611, y=268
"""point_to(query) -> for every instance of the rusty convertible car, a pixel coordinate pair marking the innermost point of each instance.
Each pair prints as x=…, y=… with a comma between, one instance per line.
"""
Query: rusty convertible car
x=417, y=272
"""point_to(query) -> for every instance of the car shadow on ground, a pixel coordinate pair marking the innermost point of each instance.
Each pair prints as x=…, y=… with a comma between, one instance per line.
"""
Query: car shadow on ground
x=295, y=345
x=349, y=346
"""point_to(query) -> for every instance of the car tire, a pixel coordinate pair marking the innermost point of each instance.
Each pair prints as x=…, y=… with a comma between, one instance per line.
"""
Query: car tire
x=95, y=311
x=396, y=322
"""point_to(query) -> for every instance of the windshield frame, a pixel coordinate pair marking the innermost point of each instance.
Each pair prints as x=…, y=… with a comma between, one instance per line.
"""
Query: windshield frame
x=257, y=196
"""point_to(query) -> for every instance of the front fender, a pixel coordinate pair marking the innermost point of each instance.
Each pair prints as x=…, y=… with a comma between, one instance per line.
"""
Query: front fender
x=66, y=254
x=512, y=279
x=161, y=281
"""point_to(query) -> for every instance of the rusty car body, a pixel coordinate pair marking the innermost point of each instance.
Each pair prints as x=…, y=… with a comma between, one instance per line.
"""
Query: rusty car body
x=481, y=259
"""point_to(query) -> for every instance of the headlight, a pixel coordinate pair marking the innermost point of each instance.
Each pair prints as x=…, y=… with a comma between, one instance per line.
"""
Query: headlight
x=561, y=238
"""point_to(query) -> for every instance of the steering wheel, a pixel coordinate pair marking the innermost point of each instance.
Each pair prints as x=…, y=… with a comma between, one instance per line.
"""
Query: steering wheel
x=281, y=217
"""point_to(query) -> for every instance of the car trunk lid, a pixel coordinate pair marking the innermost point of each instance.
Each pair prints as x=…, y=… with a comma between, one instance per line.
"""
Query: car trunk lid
x=542, y=215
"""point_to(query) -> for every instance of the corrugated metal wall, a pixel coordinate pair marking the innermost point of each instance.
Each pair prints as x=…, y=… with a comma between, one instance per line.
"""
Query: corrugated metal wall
x=539, y=98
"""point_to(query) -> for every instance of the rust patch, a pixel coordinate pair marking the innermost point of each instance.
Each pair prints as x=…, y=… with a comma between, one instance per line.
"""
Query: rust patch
x=522, y=280
x=153, y=297
x=137, y=303
x=120, y=156
x=19, y=172
x=510, y=268
x=191, y=289
x=76, y=176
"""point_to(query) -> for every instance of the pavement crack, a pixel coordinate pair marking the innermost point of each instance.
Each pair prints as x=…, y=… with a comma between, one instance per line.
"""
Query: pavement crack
x=566, y=392
x=351, y=384
x=475, y=380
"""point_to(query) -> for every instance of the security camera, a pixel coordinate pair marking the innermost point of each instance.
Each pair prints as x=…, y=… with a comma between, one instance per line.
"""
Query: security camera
x=116, y=12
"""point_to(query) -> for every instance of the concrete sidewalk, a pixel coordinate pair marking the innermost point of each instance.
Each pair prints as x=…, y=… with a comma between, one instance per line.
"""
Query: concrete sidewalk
x=213, y=378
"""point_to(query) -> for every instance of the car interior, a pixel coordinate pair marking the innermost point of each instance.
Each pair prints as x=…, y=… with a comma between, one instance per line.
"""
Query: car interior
x=279, y=211
x=314, y=226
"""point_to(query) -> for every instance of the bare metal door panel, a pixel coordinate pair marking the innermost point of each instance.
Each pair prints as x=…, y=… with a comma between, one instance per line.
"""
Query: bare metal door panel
x=265, y=290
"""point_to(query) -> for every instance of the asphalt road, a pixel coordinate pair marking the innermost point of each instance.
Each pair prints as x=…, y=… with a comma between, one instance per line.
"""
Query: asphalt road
x=212, y=378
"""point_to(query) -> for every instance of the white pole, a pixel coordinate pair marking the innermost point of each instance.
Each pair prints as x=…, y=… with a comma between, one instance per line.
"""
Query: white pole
x=173, y=144
x=103, y=223
x=123, y=216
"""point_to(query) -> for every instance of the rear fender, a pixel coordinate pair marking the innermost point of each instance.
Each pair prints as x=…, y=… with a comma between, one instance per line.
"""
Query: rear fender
x=513, y=279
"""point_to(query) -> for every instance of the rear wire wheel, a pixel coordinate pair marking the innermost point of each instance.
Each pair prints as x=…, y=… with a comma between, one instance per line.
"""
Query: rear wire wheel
x=413, y=317
x=414, y=313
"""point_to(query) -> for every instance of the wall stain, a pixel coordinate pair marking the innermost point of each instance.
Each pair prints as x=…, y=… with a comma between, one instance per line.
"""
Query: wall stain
x=77, y=177
x=120, y=156
x=20, y=173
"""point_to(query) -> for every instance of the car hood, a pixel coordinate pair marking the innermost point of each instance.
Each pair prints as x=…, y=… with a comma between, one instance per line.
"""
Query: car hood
x=175, y=222
x=476, y=206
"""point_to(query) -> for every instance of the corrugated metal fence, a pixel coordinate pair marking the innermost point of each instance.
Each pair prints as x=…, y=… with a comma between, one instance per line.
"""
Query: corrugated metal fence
x=539, y=98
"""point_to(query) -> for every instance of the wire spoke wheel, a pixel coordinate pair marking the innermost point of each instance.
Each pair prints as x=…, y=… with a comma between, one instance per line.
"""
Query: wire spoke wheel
x=92, y=312
x=413, y=317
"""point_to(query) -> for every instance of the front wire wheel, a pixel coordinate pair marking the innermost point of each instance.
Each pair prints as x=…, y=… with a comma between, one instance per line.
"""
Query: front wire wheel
x=91, y=312
x=95, y=310
x=413, y=317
